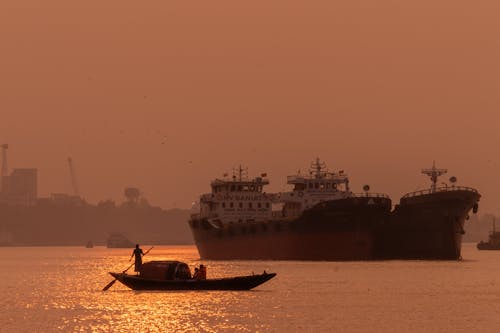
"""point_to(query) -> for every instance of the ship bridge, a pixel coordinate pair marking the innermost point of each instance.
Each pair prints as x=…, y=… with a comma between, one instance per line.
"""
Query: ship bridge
x=237, y=199
x=319, y=179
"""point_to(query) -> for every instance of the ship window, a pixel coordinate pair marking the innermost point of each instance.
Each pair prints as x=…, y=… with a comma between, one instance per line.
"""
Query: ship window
x=252, y=188
x=245, y=188
x=316, y=185
x=231, y=204
x=322, y=186
x=299, y=187
x=223, y=205
x=250, y=205
x=259, y=205
x=232, y=188
x=240, y=188
x=310, y=185
x=241, y=204
x=267, y=205
x=327, y=185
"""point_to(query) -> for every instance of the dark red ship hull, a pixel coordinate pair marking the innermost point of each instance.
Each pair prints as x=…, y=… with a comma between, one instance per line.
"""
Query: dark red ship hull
x=426, y=226
x=333, y=230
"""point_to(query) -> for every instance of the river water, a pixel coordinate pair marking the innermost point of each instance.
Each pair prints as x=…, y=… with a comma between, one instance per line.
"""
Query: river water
x=59, y=289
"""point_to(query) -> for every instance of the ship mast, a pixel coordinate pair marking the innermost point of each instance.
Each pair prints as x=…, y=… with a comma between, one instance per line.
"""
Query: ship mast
x=434, y=173
x=316, y=168
x=241, y=173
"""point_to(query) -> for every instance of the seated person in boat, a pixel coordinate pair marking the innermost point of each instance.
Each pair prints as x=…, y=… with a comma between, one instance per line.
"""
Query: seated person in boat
x=138, y=253
x=203, y=272
x=196, y=274
x=200, y=273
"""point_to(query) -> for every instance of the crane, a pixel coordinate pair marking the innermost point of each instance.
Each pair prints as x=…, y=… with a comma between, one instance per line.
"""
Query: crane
x=73, y=177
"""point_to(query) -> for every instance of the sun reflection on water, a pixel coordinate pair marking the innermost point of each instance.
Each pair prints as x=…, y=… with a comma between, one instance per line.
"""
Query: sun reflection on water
x=54, y=289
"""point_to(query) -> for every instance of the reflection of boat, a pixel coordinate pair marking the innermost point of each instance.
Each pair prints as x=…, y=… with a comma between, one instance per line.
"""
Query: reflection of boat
x=493, y=242
x=175, y=275
x=89, y=245
x=117, y=240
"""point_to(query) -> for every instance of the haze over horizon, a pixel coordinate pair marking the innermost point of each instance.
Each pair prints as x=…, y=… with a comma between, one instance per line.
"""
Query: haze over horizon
x=168, y=96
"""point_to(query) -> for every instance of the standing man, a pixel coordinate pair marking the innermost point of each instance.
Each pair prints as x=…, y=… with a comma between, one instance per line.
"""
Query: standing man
x=138, y=257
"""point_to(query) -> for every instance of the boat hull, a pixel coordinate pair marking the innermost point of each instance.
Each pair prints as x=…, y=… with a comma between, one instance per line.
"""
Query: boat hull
x=234, y=283
x=488, y=246
x=335, y=230
x=428, y=226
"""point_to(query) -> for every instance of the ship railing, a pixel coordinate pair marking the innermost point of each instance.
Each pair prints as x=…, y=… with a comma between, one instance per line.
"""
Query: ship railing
x=439, y=189
x=370, y=195
x=209, y=216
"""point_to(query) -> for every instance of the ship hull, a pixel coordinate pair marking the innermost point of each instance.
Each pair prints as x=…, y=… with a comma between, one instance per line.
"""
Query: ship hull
x=425, y=227
x=334, y=230
x=428, y=227
x=488, y=246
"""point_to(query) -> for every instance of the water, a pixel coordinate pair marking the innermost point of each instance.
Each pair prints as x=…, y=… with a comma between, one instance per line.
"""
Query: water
x=58, y=289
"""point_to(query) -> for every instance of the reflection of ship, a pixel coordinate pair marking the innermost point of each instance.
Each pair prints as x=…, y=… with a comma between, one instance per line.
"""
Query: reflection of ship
x=89, y=245
x=493, y=242
x=427, y=224
x=118, y=240
x=321, y=219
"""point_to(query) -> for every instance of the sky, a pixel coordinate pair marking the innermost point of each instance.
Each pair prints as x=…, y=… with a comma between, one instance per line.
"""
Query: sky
x=168, y=95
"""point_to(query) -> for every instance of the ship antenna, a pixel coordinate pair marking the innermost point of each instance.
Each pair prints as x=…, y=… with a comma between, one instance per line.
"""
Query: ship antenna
x=316, y=167
x=434, y=173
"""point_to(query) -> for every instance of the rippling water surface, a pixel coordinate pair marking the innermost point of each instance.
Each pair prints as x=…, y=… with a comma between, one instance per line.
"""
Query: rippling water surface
x=60, y=289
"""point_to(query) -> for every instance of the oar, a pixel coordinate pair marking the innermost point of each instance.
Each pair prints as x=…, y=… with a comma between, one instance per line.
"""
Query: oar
x=129, y=267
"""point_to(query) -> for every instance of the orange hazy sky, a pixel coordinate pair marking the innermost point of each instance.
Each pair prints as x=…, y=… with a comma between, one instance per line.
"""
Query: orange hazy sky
x=166, y=95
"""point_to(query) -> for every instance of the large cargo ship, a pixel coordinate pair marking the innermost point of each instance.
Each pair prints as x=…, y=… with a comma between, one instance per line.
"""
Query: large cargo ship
x=319, y=219
x=322, y=219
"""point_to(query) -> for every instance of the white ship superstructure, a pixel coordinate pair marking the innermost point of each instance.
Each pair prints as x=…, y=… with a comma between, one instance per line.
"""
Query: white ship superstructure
x=316, y=187
x=237, y=199
x=241, y=199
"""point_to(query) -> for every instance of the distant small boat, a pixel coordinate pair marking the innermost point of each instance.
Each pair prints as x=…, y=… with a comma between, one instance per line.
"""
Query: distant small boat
x=493, y=242
x=118, y=240
x=175, y=275
x=89, y=245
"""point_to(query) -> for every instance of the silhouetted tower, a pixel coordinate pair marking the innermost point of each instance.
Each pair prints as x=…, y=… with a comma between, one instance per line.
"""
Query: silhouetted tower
x=132, y=194
x=74, y=184
x=434, y=173
x=5, y=170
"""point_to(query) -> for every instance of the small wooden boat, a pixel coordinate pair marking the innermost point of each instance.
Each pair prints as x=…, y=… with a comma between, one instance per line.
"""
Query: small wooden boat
x=174, y=275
